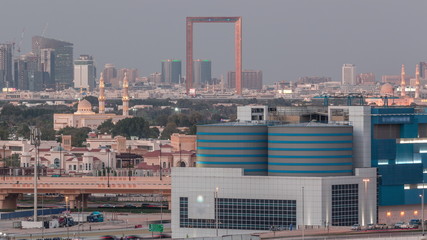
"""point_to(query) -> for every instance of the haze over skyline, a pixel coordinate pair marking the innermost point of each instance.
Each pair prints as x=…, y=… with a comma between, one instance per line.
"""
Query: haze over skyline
x=284, y=39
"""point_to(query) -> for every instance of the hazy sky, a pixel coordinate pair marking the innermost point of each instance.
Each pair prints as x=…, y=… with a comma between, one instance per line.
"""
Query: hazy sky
x=285, y=39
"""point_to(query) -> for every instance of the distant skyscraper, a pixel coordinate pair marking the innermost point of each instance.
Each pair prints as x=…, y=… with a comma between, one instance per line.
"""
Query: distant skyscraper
x=366, y=78
x=63, y=69
x=423, y=70
x=171, y=71
x=110, y=74
x=6, y=77
x=314, y=80
x=84, y=73
x=202, y=72
x=47, y=66
x=155, y=78
x=25, y=66
x=132, y=74
x=251, y=79
x=27, y=73
x=348, y=74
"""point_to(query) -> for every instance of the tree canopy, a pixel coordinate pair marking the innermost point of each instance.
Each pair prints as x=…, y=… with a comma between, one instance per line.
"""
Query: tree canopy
x=135, y=126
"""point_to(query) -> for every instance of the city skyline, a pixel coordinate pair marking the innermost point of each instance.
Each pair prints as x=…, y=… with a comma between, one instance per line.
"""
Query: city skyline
x=281, y=38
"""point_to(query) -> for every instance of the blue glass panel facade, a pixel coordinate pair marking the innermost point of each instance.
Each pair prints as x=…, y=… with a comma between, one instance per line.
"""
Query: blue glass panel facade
x=398, y=163
x=383, y=149
x=391, y=195
x=401, y=174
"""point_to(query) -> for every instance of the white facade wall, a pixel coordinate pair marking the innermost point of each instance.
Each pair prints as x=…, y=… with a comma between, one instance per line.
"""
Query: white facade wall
x=360, y=118
x=196, y=182
x=245, y=114
x=84, y=76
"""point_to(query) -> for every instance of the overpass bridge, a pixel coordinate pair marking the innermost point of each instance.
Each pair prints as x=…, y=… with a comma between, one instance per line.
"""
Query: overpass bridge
x=77, y=189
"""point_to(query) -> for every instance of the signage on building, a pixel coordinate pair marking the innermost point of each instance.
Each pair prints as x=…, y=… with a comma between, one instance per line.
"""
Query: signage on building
x=395, y=120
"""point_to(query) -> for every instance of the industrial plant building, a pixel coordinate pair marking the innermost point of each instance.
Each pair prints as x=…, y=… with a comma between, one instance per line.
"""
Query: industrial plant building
x=251, y=177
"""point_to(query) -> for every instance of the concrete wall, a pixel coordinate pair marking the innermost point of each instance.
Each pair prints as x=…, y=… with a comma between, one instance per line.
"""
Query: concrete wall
x=231, y=183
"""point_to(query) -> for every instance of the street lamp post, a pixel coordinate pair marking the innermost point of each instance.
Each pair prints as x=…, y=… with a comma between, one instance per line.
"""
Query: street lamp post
x=129, y=159
x=60, y=159
x=108, y=167
x=4, y=162
x=303, y=220
x=422, y=211
x=160, y=162
x=216, y=209
x=35, y=138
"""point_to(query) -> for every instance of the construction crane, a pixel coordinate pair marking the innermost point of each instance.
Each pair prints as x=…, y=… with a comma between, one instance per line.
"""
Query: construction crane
x=20, y=41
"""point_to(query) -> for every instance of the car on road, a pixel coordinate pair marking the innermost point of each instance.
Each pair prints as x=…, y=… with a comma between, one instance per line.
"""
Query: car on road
x=156, y=236
x=129, y=206
x=106, y=206
x=356, y=227
x=108, y=237
x=133, y=237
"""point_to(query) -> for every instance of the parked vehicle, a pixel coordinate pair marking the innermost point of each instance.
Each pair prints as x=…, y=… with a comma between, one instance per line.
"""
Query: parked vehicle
x=414, y=223
x=356, y=227
x=370, y=226
x=381, y=226
x=401, y=225
x=106, y=206
x=95, y=217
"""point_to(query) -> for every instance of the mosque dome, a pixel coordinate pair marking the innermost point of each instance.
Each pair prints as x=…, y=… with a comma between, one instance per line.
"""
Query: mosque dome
x=387, y=89
x=84, y=107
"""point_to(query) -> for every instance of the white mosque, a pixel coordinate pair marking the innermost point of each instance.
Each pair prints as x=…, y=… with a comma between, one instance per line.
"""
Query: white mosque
x=85, y=117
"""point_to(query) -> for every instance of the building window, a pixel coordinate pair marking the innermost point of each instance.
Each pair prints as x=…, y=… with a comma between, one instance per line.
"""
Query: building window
x=56, y=163
x=70, y=167
x=386, y=131
x=90, y=166
x=345, y=204
x=339, y=114
x=422, y=130
x=244, y=214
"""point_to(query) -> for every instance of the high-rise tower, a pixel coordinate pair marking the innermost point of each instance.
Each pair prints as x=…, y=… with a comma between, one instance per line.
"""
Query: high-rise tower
x=63, y=58
x=84, y=73
x=202, y=72
x=125, y=97
x=348, y=74
x=101, y=97
x=402, y=82
x=171, y=71
x=417, y=81
x=6, y=79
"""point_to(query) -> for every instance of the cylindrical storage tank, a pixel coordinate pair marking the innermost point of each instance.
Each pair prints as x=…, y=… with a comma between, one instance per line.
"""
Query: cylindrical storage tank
x=233, y=146
x=317, y=150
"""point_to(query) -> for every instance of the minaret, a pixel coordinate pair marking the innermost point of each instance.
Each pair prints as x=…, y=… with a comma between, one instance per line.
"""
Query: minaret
x=101, y=97
x=417, y=81
x=125, y=97
x=402, y=83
